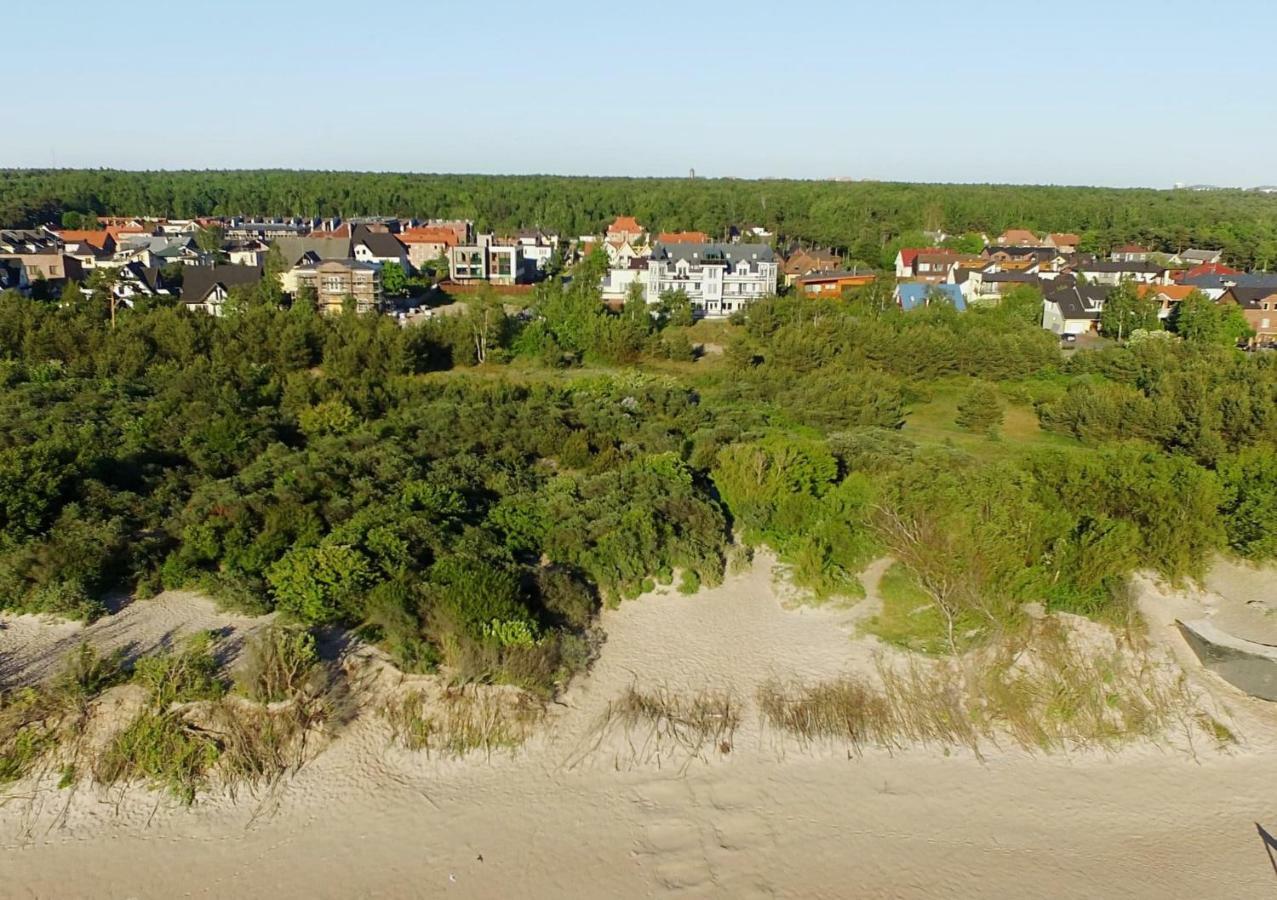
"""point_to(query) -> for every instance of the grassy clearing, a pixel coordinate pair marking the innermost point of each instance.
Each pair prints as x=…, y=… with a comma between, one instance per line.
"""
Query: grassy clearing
x=1045, y=691
x=933, y=421
x=462, y=721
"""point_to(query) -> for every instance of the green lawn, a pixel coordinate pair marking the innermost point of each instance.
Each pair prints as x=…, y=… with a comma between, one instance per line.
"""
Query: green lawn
x=934, y=420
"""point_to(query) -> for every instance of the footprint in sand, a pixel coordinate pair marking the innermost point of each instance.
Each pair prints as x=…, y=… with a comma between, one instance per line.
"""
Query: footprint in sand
x=706, y=840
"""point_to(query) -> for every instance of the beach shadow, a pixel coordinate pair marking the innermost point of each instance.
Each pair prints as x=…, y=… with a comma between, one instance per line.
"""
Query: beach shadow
x=1270, y=845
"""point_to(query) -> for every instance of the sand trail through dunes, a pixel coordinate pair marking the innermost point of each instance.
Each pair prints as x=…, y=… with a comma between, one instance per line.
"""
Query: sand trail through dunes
x=367, y=819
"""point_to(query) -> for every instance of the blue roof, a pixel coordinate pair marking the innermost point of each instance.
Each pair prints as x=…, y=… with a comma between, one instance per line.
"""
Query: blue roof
x=914, y=294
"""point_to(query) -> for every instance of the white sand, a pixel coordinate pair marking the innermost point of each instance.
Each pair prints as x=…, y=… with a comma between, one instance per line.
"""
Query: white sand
x=367, y=820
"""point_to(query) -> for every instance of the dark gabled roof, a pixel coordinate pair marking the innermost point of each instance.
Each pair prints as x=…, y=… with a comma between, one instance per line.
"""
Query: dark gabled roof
x=382, y=244
x=199, y=281
x=149, y=276
x=294, y=248
x=1079, y=301
x=1249, y=297
x=1011, y=277
x=718, y=253
x=1110, y=266
x=1036, y=252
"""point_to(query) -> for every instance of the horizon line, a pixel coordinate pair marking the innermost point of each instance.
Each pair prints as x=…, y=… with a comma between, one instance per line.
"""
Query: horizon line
x=832, y=179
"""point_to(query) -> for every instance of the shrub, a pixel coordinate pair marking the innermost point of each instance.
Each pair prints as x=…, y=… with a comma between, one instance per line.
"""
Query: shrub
x=279, y=664
x=980, y=408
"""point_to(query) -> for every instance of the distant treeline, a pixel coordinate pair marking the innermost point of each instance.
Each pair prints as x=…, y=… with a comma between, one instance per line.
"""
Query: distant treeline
x=859, y=219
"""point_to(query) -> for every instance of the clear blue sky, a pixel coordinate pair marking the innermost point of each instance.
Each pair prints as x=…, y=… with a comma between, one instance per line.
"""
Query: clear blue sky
x=1124, y=92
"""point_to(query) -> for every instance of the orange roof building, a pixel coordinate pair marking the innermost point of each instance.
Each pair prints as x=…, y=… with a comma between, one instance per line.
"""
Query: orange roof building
x=98, y=239
x=625, y=227
x=682, y=237
x=1018, y=237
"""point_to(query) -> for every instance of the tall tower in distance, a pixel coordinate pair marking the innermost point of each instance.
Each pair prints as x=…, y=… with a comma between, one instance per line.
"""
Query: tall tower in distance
x=691, y=173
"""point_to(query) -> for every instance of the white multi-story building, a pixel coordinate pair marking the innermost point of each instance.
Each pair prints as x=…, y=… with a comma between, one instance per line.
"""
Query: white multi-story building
x=719, y=279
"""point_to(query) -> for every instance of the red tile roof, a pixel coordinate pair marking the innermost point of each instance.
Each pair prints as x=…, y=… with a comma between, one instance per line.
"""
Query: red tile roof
x=1131, y=248
x=341, y=231
x=683, y=237
x=1170, y=291
x=429, y=235
x=94, y=238
x=1206, y=269
x=1012, y=235
x=625, y=224
x=908, y=255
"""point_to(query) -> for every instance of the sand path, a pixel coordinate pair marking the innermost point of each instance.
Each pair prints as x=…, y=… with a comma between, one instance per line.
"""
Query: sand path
x=365, y=820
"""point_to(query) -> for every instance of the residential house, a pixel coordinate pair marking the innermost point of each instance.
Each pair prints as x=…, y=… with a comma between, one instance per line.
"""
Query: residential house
x=804, y=262
x=269, y=230
x=1207, y=269
x=489, y=260
x=136, y=280
x=92, y=255
x=468, y=263
x=1115, y=272
x=379, y=248
x=1193, y=257
x=1018, y=237
x=248, y=253
x=907, y=260
x=1166, y=296
x=156, y=252
x=1129, y=253
x=506, y=264
x=1259, y=306
x=618, y=283
x=992, y=285
x=719, y=279
x=299, y=251
x=538, y=249
x=1063, y=242
x=208, y=287
x=1046, y=259
x=41, y=254
x=832, y=284
x=461, y=229
x=1070, y=308
x=625, y=241
x=912, y=295
x=682, y=237
x=1214, y=286
x=626, y=229
x=334, y=281
x=97, y=240
x=426, y=245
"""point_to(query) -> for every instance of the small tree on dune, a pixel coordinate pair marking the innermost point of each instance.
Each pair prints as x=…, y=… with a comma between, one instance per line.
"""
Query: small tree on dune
x=980, y=408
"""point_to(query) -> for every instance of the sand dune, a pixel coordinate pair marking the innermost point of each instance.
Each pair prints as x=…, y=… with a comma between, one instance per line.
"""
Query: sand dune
x=559, y=819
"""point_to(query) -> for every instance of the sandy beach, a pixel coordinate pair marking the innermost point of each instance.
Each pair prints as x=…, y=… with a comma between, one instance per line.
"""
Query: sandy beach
x=569, y=816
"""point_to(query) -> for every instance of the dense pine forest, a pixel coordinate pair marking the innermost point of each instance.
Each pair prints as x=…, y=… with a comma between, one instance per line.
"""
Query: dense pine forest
x=859, y=219
x=466, y=492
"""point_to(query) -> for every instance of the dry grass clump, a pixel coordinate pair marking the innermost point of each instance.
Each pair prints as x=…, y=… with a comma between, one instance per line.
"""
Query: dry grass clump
x=463, y=720
x=1046, y=690
x=38, y=721
x=659, y=724
x=191, y=735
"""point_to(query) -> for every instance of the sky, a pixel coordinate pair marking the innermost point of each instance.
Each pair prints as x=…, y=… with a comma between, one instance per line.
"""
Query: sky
x=1123, y=93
